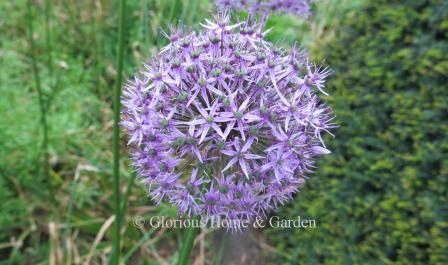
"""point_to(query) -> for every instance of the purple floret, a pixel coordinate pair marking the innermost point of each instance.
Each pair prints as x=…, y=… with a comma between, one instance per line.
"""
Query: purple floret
x=224, y=124
x=299, y=8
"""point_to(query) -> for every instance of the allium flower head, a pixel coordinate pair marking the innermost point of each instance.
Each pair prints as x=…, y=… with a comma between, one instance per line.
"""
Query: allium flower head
x=266, y=7
x=223, y=123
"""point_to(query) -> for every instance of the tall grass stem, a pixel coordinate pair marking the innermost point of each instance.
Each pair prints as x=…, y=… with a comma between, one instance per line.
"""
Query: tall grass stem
x=48, y=10
x=68, y=218
x=174, y=9
x=128, y=191
x=42, y=105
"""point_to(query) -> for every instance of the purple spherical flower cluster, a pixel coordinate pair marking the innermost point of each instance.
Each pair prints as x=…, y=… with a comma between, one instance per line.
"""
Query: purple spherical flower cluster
x=266, y=7
x=224, y=124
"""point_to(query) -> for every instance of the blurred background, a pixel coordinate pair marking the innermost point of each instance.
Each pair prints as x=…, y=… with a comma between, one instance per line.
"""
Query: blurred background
x=380, y=198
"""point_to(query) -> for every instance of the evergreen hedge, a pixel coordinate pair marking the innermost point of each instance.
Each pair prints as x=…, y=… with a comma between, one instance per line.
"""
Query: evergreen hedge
x=381, y=197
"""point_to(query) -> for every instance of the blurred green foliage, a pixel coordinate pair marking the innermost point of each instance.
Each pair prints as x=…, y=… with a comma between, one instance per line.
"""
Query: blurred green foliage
x=381, y=197
x=78, y=98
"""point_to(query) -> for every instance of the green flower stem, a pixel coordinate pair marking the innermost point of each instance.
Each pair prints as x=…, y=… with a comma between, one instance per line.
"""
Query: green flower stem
x=115, y=258
x=190, y=235
x=221, y=249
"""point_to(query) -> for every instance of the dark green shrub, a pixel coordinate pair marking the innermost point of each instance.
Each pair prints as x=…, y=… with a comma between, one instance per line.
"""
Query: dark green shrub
x=381, y=197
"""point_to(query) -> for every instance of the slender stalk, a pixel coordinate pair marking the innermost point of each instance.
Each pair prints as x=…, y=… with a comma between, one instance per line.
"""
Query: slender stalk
x=68, y=218
x=71, y=19
x=115, y=259
x=190, y=235
x=128, y=191
x=48, y=38
x=221, y=249
x=42, y=107
x=97, y=48
x=194, y=4
x=145, y=21
x=185, y=8
x=174, y=9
